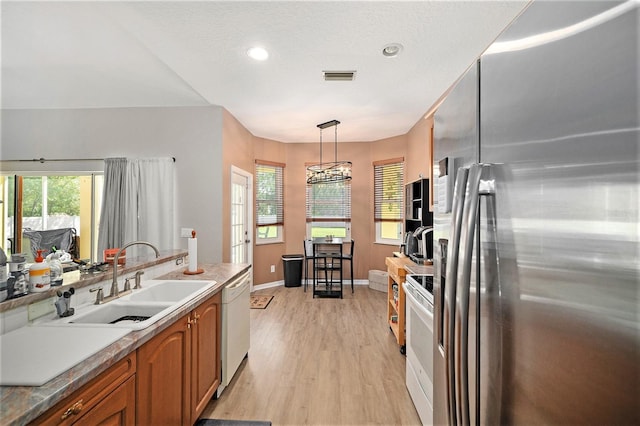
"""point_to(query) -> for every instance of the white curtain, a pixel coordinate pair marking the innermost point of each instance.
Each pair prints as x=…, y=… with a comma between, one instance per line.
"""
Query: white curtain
x=137, y=204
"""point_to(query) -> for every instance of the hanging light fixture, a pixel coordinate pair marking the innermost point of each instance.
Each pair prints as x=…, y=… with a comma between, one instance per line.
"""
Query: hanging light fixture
x=334, y=171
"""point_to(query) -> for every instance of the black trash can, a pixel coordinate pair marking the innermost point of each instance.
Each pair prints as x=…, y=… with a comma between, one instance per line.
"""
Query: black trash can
x=292, y=269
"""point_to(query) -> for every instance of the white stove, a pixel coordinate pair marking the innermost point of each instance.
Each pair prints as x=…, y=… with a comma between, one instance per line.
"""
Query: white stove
x=419, y=340
x=423, y=284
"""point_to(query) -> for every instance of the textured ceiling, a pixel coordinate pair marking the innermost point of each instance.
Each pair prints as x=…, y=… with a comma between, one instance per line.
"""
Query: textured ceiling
x=147, y=54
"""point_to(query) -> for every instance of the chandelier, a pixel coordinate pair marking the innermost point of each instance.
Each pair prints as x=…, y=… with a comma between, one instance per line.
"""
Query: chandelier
x=334, y=171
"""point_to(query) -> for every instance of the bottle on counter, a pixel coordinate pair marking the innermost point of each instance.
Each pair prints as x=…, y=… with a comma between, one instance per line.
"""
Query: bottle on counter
x=3, y=267
x=3, y=276
x=39, y=275
x=56, y=269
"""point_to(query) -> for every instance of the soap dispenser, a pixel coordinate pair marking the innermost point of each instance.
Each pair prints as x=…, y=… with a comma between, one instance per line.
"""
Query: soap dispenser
x=39, y=275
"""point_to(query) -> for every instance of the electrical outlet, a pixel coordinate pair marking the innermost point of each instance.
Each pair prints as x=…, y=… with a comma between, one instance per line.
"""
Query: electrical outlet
x=186, y=232
x=273, y=268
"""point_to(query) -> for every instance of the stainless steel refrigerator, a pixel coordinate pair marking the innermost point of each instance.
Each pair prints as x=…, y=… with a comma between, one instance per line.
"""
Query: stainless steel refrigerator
x=536, y=224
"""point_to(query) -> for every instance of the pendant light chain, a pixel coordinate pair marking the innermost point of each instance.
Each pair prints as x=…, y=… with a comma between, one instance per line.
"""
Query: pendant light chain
x=320, y=148
x=335, y=154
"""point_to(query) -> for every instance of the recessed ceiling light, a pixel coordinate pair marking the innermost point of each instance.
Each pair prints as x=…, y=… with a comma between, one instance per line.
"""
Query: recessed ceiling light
x=258, y=53
x=392, y=50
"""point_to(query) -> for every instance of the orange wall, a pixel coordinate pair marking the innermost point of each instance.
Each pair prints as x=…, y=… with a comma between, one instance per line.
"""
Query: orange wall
x=419, y=151
x=361, y=197
x=237, y=150
x=381, y=150
x=270, y=254
x=242, y=149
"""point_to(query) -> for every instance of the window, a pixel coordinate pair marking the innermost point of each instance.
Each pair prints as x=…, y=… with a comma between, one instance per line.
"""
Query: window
x=51, y=201
x=269, y=202
x=329, y=209
x=388, y=176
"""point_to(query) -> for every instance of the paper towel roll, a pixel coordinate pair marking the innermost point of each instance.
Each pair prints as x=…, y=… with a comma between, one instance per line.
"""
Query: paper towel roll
x=193, y=254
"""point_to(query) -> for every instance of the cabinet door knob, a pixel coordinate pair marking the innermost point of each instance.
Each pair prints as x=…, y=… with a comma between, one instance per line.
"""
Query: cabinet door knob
x=189, y=322
x=196, y=317
x=73, y=410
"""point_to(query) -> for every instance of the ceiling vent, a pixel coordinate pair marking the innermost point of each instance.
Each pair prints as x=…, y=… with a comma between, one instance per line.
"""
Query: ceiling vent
x=339, y=75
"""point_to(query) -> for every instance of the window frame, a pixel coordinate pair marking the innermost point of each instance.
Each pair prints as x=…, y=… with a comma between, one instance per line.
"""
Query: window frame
x=392, y=165
x=278, y=198
x=95, y=183
x=341, y=221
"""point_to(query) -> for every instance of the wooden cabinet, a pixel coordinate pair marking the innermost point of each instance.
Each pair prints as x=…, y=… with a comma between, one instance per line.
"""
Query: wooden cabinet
x=108, y=399
x=179, y=369
x=396, y=298
x=164, y=374
x=168, y=381
x=205, y=354
x=116, y=409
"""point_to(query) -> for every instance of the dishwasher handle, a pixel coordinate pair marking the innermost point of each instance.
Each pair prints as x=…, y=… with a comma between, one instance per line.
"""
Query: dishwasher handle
x=237, y=287
x=238, y=281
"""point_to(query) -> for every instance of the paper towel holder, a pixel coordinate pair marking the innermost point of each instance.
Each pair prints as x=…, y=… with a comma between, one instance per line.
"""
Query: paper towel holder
x=198, y=270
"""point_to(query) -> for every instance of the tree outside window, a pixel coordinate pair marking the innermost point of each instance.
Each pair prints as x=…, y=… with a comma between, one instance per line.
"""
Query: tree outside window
x=51, y=202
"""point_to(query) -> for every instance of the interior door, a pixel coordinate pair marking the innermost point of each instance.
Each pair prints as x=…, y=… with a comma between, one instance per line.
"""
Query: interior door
x=241, y=216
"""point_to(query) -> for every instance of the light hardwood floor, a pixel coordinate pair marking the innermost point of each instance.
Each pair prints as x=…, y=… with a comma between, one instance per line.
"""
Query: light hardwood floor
x=320, y=361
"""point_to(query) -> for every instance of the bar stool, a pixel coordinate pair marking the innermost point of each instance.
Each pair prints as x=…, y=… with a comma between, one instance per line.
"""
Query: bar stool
x=327, y=262
x=308, y=256
x=348, y=257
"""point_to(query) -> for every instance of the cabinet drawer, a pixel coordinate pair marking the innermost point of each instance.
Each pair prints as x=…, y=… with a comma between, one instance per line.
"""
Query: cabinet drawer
x=72, y=408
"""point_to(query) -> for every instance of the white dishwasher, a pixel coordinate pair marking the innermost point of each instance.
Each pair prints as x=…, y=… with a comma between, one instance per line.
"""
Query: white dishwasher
x=235, y=327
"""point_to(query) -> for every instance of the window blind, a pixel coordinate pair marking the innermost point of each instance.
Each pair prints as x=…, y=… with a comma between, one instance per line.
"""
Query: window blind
x=388, y=176
x=269, y=193
x=329, y=202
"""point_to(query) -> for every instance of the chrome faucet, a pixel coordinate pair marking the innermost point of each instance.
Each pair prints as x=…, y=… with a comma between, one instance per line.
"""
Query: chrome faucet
x=138, y=280
x=114, y=284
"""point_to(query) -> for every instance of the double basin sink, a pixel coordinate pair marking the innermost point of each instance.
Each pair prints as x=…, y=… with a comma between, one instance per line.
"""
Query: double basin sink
x=141, y=308
x=93, y=328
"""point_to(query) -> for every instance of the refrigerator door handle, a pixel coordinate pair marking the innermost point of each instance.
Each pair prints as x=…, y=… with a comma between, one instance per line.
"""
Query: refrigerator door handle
x=461, y=348
x=491, y=391
x=450, y=290
x=476, y=187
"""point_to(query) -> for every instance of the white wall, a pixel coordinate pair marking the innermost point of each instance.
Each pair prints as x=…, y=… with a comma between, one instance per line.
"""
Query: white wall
x=193, y=135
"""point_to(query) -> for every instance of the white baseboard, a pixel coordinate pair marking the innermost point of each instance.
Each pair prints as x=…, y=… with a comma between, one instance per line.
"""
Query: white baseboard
x=345, y=282
x=268, y=285
x=310, y=282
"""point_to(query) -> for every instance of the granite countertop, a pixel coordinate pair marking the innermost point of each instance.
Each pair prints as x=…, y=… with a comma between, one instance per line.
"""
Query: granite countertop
x=221, y=273
x=414, y=268
x=21, y=404
x=409, y=265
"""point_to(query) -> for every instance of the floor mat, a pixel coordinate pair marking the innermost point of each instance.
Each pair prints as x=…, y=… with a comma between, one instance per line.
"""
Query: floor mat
x=261, y=301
